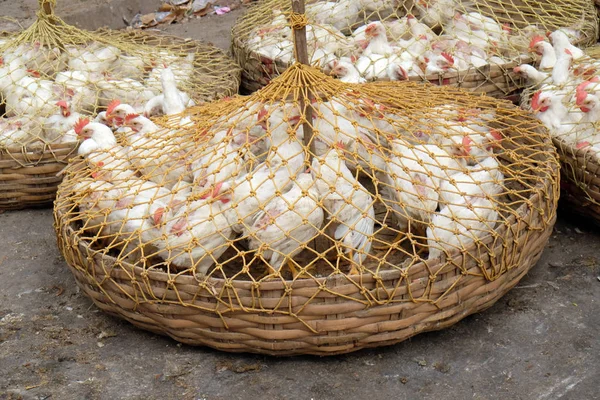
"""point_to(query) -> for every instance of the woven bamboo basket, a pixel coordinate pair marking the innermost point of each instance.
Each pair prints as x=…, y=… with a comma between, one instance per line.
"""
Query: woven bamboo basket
x=396, y=292
x=580, y=181
x=580, y=171
x=494, y=79
x=29, y=168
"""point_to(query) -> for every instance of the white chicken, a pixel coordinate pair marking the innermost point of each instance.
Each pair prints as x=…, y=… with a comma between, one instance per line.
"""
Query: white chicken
x=539, y=45
x=457, y=226
x=182, y=67
x=287, y=224
x=410, y=186
x=57, y=125
x=485, y=179
x=345, y=71
x=158, y=159
x=127, y=90
x=172, y=101
x=197, y=235
x=349, y=205
x=99, y=147
x=95, y=58
x=341, y=14
x=19, y=132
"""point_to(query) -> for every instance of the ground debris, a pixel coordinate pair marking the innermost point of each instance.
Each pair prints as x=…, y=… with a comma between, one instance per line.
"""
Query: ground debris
x=172, y=11
x=106, y=334
x=238, y=368
x=441, y=367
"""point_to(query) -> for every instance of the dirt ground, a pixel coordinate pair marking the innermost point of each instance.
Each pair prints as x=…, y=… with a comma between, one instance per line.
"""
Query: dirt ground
x=538, y=342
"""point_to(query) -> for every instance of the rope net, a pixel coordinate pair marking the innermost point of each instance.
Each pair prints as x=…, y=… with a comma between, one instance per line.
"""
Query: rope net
x=52, y=74
x=564, y=94
x=470, y=44
x=249, y=189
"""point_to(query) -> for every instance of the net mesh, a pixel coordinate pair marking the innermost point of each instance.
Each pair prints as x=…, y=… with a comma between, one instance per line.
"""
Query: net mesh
x=470, y=44
x=310, y=180
x=52, y=74
x=564, y=94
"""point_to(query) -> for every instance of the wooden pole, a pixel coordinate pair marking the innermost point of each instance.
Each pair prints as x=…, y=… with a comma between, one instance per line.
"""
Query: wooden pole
x=301, y=50
x=47, y=7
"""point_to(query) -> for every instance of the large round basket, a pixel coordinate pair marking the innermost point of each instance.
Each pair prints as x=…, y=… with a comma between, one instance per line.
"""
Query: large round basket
x=494, y=79
x=234, y=307
x=29, y=173
x=580, y=180
x=29, y=178
x=580, y=167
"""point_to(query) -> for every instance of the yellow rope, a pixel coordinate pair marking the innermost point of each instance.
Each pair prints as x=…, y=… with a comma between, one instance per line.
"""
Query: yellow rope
x=298, y=21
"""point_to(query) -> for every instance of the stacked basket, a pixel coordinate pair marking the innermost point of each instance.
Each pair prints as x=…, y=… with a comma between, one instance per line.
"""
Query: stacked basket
x=52, y=61
x=262, y=46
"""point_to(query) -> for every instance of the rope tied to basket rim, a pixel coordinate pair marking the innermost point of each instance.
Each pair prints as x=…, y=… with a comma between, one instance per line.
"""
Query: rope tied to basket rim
x=298, y=20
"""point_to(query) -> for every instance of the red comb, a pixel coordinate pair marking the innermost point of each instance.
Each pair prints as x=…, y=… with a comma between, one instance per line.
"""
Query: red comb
x=262, y=113
x=548, y=33
x=466, y=142
x=410, y=16
x=582, y=145
x=111, y=106
x=506, y=27
x=158, y=214
x=495, y=134
x=100, y=164
x=535, y=40
x=403, y=72
x=448, y=57
x=517, y=70
x=130, y=117
x=79, y=125
x=583, y=85
x=217, y=189
x=568, y=52
x=535, y=100
x=62, y=104
x=353, y=58
x=580, y=97
x=34, y=72
x=340, y=145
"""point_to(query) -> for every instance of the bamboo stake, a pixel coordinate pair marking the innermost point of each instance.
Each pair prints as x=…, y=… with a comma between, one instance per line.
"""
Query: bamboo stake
x=301, y=50
x=47, y=7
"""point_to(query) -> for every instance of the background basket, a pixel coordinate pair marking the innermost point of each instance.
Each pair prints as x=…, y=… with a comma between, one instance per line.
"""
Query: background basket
x=28, y=170
x=496, y=80
x=580, y=168
x=232, y=308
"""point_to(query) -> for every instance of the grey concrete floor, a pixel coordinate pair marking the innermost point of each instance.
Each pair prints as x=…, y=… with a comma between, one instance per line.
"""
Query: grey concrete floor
x=538, y=342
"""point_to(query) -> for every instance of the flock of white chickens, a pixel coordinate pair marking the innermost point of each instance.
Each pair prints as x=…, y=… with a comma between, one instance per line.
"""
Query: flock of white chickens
x=44, y=91
x=248, y=183
x=565, y=92
x=396, y=48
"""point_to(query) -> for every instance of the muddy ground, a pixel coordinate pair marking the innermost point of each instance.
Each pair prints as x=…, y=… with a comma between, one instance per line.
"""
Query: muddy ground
x=541, y=341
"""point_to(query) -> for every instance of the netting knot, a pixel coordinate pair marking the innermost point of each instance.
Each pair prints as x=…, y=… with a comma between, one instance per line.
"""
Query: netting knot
x=298, y=21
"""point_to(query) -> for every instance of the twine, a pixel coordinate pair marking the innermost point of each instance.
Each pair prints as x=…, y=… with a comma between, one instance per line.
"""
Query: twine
x=298, y=21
